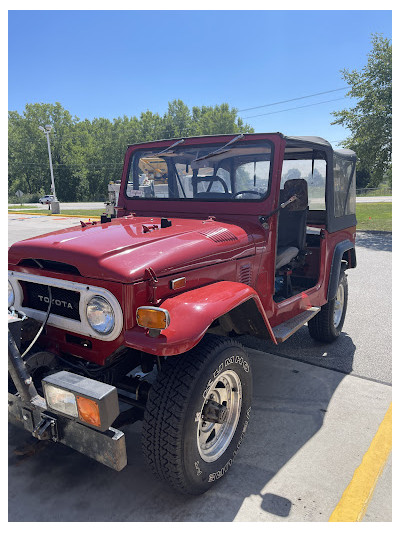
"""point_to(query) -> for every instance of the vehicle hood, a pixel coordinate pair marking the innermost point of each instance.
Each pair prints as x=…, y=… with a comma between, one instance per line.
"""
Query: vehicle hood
x=122, y=249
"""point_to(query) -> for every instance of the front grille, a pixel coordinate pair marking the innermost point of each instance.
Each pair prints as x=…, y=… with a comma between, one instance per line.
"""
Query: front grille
x=64, y=302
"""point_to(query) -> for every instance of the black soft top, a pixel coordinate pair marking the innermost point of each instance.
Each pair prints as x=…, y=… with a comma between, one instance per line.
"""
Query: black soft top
x=319, y=141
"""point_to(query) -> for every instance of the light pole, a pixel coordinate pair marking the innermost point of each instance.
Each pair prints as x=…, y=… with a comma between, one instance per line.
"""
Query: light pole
x=55, y=205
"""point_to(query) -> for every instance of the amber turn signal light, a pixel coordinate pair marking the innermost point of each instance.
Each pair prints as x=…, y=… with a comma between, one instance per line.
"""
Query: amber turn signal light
x=178, y=283
x=152, y=317
x=88, y=411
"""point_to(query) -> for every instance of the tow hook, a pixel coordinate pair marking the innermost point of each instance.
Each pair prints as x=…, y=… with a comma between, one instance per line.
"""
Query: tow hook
x=46, y=429
x=214, y=412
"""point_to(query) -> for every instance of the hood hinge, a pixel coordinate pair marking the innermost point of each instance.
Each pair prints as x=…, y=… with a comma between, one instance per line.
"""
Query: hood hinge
x=153, y=281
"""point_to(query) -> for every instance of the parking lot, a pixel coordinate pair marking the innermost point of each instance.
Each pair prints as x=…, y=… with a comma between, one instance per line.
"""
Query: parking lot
x=316, y=411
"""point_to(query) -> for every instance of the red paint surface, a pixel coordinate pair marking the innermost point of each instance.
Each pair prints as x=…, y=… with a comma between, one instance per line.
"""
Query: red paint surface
x=191, y=314
x=121, y=250
x=116, y=255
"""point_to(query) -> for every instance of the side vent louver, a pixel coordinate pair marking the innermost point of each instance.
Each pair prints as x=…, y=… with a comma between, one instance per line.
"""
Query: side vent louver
x=245, y=274
x=219, y=235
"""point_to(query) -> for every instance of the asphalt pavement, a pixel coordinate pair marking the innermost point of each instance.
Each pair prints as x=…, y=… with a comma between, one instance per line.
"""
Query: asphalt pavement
x=25, y=226
x=365, y=347
x=316, y=410
x=308, y=432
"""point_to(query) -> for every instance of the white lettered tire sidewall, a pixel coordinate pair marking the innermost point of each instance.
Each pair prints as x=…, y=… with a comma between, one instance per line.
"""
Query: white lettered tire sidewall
x=196, y=469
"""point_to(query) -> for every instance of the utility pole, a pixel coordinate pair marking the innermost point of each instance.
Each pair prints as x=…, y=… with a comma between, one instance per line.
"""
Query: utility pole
x=55, y=204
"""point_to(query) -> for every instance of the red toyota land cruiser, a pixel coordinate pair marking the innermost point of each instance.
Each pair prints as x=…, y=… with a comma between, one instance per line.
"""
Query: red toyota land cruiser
x=139, y=316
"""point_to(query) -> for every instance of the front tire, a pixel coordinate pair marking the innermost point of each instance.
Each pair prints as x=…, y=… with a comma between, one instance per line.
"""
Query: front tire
x=327, y=325
x=197, y=414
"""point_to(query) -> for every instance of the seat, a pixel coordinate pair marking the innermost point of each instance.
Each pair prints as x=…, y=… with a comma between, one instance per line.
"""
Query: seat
x=292, y=226
x=285, y=255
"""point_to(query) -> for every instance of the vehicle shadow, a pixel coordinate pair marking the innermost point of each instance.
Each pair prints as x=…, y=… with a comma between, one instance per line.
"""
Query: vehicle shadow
x=380, y=241
x=302, y=347
x=290, y=402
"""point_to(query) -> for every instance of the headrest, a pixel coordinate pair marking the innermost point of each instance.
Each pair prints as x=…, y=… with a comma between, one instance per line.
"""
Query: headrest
x=298, y=187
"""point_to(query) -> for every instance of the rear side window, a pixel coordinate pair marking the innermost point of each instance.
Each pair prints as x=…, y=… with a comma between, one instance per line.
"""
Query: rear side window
x=344, y=186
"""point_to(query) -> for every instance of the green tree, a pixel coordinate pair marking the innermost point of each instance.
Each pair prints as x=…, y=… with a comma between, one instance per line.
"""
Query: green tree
x=87, y=154
x=370, y=121
x=177, y=121
x=218, y=119
x=27, y=148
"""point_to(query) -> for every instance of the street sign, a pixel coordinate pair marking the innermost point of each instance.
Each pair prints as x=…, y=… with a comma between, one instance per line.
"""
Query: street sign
x=19, y=193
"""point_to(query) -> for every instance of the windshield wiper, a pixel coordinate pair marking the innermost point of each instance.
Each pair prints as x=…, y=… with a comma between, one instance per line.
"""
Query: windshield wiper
x=220, y=150
x=169, y=148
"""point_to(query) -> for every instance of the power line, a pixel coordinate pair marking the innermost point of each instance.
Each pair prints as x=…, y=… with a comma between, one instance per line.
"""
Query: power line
x=297, y=107
x=292, y=99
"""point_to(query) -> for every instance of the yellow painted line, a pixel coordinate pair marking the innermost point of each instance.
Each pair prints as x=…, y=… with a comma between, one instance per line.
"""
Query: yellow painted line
x=50, y=215
x=355, y=499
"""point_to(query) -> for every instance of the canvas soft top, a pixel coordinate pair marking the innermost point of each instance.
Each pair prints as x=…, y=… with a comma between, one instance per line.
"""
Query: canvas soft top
x=290, y=139
x=310, y=140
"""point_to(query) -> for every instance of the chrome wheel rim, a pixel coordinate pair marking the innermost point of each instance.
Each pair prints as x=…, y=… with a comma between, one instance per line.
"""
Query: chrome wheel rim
x=214, y=438
x=338, y=308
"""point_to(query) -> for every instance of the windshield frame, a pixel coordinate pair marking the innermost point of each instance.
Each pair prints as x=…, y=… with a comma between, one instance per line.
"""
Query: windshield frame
x=214, y=143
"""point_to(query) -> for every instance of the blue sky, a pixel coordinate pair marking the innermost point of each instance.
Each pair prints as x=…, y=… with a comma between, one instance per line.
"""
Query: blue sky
x=114, y=63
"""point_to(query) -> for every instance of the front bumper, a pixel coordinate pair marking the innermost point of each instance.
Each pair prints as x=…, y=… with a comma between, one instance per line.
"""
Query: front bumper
x=27, y=409
x=107, y=448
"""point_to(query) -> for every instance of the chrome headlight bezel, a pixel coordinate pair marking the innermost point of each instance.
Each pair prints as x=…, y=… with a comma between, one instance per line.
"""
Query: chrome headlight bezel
x=11, y=295
x=105, y=307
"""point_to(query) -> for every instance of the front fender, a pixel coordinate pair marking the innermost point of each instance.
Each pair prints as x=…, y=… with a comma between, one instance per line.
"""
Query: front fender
x=192, y=313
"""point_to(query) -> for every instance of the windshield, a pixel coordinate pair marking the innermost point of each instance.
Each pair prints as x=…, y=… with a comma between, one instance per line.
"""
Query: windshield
x=236, y=173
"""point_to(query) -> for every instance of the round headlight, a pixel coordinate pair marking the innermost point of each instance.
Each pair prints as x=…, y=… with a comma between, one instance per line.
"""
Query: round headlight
x=100, y=315
x=10, y=295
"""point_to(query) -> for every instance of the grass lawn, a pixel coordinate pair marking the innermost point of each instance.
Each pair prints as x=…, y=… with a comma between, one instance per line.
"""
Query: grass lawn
x=375, y=216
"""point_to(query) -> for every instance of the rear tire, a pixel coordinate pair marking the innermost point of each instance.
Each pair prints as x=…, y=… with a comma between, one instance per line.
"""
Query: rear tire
x=327, y=325
x=182, y=444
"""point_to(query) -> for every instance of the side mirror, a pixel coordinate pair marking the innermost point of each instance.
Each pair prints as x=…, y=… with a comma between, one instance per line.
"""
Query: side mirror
x=295, y=195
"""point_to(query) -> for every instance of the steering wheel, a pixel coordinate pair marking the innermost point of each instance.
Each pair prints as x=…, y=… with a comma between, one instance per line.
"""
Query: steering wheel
x=215, y=178
x=251, y=192
x=212, y=180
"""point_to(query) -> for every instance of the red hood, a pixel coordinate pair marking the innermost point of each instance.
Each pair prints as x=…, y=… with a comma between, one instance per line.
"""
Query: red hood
x=123, y=249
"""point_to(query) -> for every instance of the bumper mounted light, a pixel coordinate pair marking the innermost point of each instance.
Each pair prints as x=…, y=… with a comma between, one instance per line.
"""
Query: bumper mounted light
x=90, y=402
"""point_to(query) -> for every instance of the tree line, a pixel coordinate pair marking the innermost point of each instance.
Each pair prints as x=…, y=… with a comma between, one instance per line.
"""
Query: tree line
x=88, y=154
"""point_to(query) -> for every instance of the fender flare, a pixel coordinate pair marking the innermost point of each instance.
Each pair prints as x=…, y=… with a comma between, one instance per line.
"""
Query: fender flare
x=192, y=313
x=336, y=265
